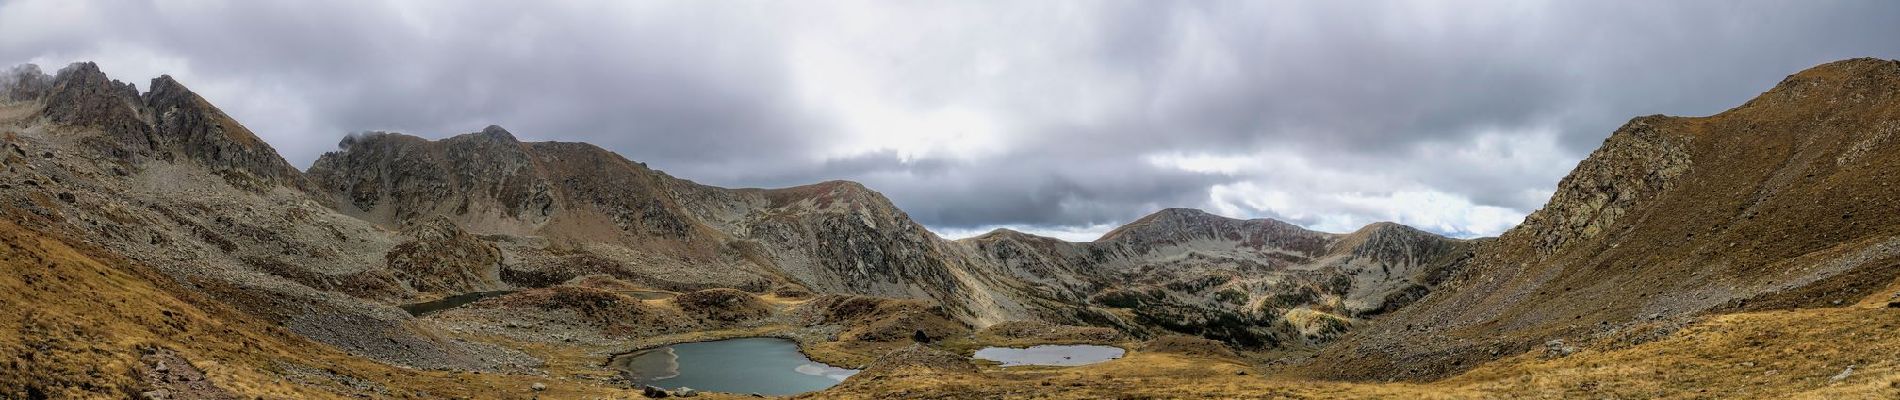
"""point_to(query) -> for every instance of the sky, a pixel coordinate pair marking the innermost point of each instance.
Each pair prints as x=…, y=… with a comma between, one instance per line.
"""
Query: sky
x=1063, y=118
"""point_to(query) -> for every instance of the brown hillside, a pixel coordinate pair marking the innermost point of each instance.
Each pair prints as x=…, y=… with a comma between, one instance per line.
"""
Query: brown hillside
x=1784, y=202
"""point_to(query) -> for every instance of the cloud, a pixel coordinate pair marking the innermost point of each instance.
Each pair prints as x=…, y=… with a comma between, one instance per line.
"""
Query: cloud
x=1060, y=117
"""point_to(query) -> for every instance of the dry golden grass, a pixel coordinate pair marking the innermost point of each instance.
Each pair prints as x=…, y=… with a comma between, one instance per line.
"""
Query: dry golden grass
x=1777, y=354
x=76, y=319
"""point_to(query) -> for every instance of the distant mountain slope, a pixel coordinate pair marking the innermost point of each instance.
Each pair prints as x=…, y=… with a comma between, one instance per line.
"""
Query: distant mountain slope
x=1252, y=282
x=834, y=237
x=1783, y=202
x=166, y=178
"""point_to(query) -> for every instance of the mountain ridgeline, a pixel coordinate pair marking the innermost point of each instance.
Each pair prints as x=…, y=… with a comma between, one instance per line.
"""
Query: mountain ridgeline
x=231, y=266
x=1783, y=202
x=389, y=218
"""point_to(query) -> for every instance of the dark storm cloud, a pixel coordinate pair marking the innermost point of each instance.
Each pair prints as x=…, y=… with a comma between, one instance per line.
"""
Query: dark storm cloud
x=1066, y=117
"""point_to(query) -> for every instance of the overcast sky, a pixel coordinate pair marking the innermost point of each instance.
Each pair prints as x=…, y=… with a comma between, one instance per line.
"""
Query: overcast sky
x=1061, y=118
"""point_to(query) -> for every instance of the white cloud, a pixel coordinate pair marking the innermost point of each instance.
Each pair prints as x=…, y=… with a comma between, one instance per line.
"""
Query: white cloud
x=1344, y=194
x=1057, y=116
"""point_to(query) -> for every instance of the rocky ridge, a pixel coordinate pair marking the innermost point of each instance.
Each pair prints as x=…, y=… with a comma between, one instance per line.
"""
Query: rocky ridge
x=1256, y=282
x=1773, y=204
x=167, y=179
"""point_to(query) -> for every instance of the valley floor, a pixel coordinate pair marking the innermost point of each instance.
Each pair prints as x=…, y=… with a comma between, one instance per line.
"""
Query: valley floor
x=1837, y=353
x=91, y=317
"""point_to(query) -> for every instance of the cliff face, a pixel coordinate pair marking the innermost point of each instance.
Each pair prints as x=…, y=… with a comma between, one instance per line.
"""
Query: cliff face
x=170, y=122
x=167, y=181
x=1774, y=204
x=184, y=125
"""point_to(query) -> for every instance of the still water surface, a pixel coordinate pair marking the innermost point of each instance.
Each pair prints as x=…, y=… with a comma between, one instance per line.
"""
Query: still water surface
x=769, y=366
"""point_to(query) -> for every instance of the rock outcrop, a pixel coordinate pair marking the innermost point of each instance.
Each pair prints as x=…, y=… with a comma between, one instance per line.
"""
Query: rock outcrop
x=24, y=82
x=1777, y=203
x=1196, y=273
x=442, y=258
x=168, y=123
x=184, y=125
x=390, y=217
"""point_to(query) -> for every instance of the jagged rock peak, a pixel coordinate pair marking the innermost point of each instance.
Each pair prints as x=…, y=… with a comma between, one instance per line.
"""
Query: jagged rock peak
x=496, y=132
x=24, y=82
x=355, y=139
x=169, y=123
x=166, y=89
x=81, y=95
x=187, y=124
x=86, y=75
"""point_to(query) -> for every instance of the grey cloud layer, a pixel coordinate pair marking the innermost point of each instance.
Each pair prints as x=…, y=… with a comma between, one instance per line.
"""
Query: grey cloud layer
x=1322, y=113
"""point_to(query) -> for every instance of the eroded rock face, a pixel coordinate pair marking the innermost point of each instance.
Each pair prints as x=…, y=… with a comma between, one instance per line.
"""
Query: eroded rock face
x=1637, y=162
x=408, y=217
x=187, y=126
x=166, y=180
x=24, y=82
x=82, y=96
x=397, y=178
x=1257, y=283
x=642, y=225
x=442, y=258
x=1773, y=204
x=169, y=123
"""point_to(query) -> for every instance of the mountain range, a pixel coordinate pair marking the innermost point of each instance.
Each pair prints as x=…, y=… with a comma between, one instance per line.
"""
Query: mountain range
x=149, y=230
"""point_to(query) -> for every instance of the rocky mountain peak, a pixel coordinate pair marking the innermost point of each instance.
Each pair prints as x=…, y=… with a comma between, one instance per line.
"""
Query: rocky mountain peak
x=24, y=82
x=1773, y=204
x=81, y=95
x=496, y=132
x=170, y=123
x=186, y=125
x=401, y=178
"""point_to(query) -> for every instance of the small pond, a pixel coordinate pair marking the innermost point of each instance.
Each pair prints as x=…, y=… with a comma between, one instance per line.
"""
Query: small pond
x=424, y=308
x=1056, y=355
x=768, y=366
x=649, y=295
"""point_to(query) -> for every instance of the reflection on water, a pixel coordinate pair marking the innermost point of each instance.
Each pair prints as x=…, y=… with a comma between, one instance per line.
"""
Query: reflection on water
x=1056, y=355
x=652, y=365
x=752, y=365
x=815, y=368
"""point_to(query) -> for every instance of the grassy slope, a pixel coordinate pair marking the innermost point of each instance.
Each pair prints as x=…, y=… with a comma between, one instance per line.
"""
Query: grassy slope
x=77, y=318
x=1773, y=354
